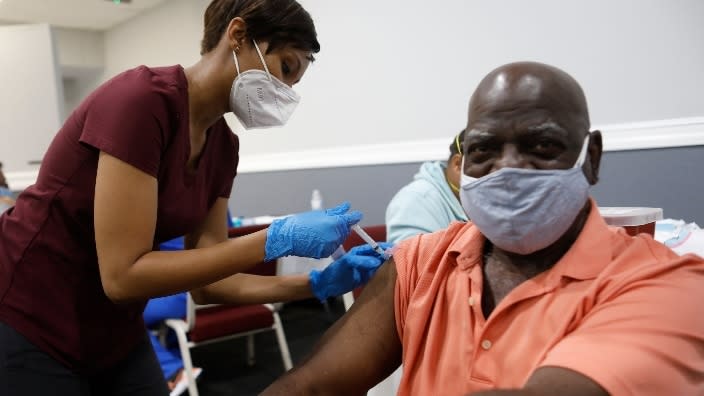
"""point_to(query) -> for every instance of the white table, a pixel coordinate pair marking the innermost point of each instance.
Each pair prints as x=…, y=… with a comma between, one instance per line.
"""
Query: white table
x=293, y=265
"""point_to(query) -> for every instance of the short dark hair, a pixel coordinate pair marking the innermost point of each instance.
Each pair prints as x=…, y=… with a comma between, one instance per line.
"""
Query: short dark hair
x=280, y=22
x=456, y=145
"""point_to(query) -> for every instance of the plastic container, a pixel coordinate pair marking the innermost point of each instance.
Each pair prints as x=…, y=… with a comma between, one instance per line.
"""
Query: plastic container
x=634, y=220
x=316, y=200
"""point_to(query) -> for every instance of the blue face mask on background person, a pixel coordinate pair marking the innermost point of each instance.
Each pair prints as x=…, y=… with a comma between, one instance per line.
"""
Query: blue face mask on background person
x=260, y=100
x=525, y=210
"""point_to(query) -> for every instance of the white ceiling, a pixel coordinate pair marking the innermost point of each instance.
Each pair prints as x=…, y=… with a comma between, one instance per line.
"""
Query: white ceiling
x=80, y=14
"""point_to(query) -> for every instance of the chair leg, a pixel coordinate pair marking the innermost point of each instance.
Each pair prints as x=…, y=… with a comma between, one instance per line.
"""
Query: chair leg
x=162, y=333
x=250, y=350
x=187, y=362
x=283, y=345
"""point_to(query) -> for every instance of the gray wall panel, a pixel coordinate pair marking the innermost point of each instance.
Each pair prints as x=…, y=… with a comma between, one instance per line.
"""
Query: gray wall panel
x=368, y=188
x=668, y=178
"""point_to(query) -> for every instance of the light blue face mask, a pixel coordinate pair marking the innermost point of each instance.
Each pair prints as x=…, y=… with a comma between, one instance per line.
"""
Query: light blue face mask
x=525, y=210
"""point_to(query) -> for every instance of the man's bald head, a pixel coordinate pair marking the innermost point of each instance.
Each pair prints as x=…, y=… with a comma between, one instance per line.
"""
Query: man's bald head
x=524, y=85
x=528, y=115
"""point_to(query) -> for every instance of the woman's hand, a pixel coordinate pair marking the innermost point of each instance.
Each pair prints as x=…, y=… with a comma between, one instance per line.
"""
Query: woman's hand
x=313, y=234
x=352, y=270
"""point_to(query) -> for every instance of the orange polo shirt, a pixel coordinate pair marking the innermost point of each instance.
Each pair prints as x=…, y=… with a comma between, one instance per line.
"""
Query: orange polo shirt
x=623, y=311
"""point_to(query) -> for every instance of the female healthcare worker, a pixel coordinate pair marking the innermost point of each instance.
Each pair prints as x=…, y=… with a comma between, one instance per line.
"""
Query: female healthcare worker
x=145, y=158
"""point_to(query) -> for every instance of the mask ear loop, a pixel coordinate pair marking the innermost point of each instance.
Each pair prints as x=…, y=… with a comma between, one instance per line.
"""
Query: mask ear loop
x=453, y=187
x=582, y=152
x=465, y=178
x=237, y=64
x=262, y=59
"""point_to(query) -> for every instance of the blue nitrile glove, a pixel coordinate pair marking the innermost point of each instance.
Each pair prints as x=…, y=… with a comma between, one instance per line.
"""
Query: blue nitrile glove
x=313, y=234
x=352, y=270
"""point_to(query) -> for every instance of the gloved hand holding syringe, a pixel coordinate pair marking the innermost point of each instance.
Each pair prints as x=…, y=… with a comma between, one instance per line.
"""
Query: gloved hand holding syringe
x=366, y=238
x=314, y=234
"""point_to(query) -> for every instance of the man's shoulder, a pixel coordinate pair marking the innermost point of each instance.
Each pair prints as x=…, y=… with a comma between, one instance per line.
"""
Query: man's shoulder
x=425, y=251
x=641, y=259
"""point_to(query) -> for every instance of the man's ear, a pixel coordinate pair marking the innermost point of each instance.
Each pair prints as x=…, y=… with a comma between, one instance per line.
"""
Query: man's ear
x=594, y=151
x=455, y=163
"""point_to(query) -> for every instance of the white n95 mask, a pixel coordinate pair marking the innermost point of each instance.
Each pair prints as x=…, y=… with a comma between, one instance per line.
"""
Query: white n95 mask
x=525, y=210
x=260, y=100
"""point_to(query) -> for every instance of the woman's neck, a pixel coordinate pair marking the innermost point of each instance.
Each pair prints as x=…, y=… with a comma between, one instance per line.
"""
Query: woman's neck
x=207, y=97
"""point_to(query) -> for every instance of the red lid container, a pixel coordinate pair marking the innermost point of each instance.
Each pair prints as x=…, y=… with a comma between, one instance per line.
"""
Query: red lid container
x=633, y=219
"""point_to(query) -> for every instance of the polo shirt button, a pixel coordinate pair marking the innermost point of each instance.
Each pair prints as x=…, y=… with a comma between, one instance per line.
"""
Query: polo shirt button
x=471, y=301
x=486, y=344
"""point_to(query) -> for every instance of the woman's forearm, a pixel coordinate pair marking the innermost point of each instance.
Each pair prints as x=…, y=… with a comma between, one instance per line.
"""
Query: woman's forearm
x=255, y=289
x=163, y=273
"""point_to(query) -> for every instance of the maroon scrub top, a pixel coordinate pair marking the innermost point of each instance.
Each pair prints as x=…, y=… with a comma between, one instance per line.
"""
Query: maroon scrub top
x=50, y=288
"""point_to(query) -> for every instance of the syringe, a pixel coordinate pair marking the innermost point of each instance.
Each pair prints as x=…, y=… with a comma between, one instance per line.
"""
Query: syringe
x=338, y=253
x=366, y=238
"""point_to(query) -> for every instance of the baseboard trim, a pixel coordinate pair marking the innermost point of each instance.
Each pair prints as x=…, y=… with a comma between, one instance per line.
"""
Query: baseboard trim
x=647, y=135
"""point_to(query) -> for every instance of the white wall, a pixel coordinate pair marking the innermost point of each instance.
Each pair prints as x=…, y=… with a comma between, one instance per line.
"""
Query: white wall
x=394, y=76
x=30, y=97
x=79, y=48
x=81, y=56
x=165, y=35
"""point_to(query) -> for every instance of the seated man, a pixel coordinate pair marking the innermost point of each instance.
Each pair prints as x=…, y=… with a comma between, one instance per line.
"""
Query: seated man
x=431, y=201
x=536, y=295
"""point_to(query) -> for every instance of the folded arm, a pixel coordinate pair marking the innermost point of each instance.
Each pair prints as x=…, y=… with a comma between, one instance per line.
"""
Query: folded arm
x=644, y=337
x=553, y=381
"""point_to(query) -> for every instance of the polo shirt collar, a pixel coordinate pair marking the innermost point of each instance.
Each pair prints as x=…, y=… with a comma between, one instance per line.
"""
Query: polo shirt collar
x=584, y=260
x=590, y=253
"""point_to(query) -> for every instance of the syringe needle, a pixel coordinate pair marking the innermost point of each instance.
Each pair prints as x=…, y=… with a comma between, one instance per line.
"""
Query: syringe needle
x=366, y=238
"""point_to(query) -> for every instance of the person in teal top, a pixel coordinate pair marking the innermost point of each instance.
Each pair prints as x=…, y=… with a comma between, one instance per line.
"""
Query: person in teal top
x=431, y=201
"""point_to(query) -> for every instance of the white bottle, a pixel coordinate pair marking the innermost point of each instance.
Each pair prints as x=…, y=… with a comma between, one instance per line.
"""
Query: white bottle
x=316, y=200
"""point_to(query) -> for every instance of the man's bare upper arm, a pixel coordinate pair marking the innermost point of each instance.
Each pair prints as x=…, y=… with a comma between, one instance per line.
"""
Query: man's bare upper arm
x=358, y=351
